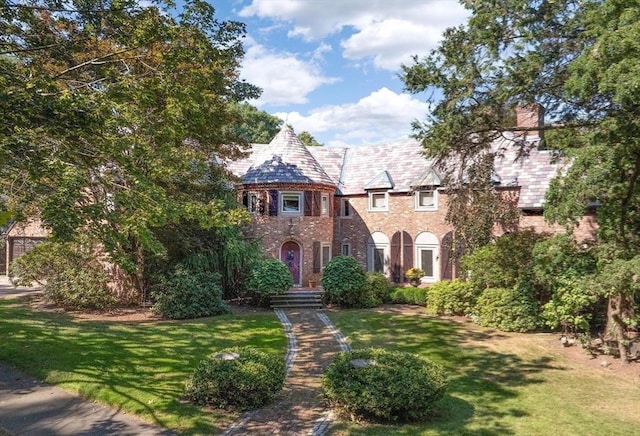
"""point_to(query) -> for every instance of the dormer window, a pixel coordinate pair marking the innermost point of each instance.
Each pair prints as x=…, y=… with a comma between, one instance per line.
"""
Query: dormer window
x=378, y=201
x=426, y=199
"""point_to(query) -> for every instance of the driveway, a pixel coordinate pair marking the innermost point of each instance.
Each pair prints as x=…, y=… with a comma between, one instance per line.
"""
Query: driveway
x=7, y=290
x=31, y=407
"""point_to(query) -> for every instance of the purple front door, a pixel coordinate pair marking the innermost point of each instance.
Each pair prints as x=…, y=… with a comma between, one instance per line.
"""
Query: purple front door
x=290, y=255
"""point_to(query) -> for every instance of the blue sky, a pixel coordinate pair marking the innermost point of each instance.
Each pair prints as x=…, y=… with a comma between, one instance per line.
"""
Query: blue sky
x=331, y=66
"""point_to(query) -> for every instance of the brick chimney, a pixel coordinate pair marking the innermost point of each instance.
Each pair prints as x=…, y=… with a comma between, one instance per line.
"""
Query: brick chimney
x=527, y=116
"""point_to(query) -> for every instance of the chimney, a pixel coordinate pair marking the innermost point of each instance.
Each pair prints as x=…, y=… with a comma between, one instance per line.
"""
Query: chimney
x=528, y=116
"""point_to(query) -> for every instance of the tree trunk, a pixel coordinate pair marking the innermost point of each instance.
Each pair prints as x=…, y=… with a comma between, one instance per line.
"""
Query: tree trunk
x=616, y=328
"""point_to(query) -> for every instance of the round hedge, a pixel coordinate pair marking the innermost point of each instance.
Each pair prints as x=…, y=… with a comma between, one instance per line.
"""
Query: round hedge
x=344, y=282
x=380, y=385
x=268, y=277
x=236, y=378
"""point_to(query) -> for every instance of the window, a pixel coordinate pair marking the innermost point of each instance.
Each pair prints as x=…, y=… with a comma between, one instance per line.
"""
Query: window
x=378, y=201
x=326, y=254
x=346, y=249
x=324, y=204
x=253, y=203
x=378, y=253
x=427, y=256
x=345, y=207
x=291, y=203
x=426, y=200
x=426, y=261
x=378, y=260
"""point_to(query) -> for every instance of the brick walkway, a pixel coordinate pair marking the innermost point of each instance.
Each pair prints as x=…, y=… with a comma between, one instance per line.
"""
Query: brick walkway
x=299, y=409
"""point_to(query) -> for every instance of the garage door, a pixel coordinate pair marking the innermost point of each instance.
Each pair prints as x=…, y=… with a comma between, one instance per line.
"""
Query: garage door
x=19, y=246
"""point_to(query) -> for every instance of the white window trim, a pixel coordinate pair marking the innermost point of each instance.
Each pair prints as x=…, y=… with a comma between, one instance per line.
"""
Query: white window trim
x=324, y=201
x=417, y=205
x=342, y=246
x=378, y=209
x=436, y=262
x=298, y=212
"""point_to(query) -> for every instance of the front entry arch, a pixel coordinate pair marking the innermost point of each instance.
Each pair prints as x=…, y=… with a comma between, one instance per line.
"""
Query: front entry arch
x=290, y=254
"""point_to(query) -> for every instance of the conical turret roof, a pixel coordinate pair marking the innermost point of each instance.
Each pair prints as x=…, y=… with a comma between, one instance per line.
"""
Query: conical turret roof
x=285, y=160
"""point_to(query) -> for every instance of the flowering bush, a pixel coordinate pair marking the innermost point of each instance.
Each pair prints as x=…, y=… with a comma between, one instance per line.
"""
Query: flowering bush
x=414, y=275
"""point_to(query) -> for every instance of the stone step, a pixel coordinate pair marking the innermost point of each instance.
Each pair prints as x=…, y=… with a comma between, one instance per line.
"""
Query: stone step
x=296, y=298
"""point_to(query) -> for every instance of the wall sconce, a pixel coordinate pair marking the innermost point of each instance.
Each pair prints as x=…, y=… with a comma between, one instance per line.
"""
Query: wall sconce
x=290, y=226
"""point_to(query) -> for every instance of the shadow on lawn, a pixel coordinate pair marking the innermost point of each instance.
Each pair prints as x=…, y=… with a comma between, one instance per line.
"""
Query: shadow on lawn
x=138, y=367
x=480, y=379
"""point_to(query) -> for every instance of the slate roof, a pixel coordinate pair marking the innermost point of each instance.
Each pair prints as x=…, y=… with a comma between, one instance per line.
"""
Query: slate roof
x=284, y=160
x=532, y=173
x=404, y=167
x=402, y=161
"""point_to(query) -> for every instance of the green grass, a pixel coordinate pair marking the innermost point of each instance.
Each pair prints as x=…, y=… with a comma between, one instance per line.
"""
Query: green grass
x=137, y=367
x=500, y=384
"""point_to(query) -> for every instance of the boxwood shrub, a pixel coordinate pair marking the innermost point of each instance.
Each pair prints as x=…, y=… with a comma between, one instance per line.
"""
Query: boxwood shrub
x=508, y=309
x=451, y=298
x=186, y=294
x=345, y=282
x=380, y=385
x=378, y=289
x=409, y=295
x=237, y=379
x=268, y=277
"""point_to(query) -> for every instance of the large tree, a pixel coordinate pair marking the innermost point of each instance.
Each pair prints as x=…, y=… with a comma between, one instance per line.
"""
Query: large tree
x=258, y=126
x=580, y=59
x=112, y=115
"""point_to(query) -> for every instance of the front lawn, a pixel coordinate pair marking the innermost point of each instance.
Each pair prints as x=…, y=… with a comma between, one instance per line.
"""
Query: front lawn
x=137, y=367
x=500, y=383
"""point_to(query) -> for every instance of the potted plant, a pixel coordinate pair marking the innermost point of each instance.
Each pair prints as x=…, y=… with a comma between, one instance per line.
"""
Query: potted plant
x=414, y=275
x=314, y=279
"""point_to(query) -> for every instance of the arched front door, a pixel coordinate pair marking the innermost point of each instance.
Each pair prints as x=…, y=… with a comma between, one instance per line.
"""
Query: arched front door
x=290, y=255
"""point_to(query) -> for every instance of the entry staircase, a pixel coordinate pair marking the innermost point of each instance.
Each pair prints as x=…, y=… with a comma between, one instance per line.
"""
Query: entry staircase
x=298, y=298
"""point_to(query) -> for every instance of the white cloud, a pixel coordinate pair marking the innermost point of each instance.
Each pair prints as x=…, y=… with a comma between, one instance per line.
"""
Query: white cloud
x=284, y=78
x=391, y=42
x=388, y=32
x=382, y=116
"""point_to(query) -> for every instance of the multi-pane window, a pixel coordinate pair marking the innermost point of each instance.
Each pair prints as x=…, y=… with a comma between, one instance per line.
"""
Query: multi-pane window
x=426, y=200
x=378, y=201
x=324, y=204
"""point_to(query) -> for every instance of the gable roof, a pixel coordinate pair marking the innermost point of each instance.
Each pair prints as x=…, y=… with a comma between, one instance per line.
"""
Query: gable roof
x=284, y=160
x=381, y=181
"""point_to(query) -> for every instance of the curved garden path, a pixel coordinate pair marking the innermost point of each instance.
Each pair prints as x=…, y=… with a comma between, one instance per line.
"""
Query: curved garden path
x=300, y=408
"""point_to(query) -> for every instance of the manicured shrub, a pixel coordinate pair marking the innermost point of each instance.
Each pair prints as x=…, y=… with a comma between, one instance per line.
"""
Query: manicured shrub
x=381, y=385
x=268, y=277
x=345, y=282
x=236, y=378
x=420, y=296
x=402, y=295
x=508, y=309
x=68, y=273
x=455, y=297
x=186, y=294
x=378, y=289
